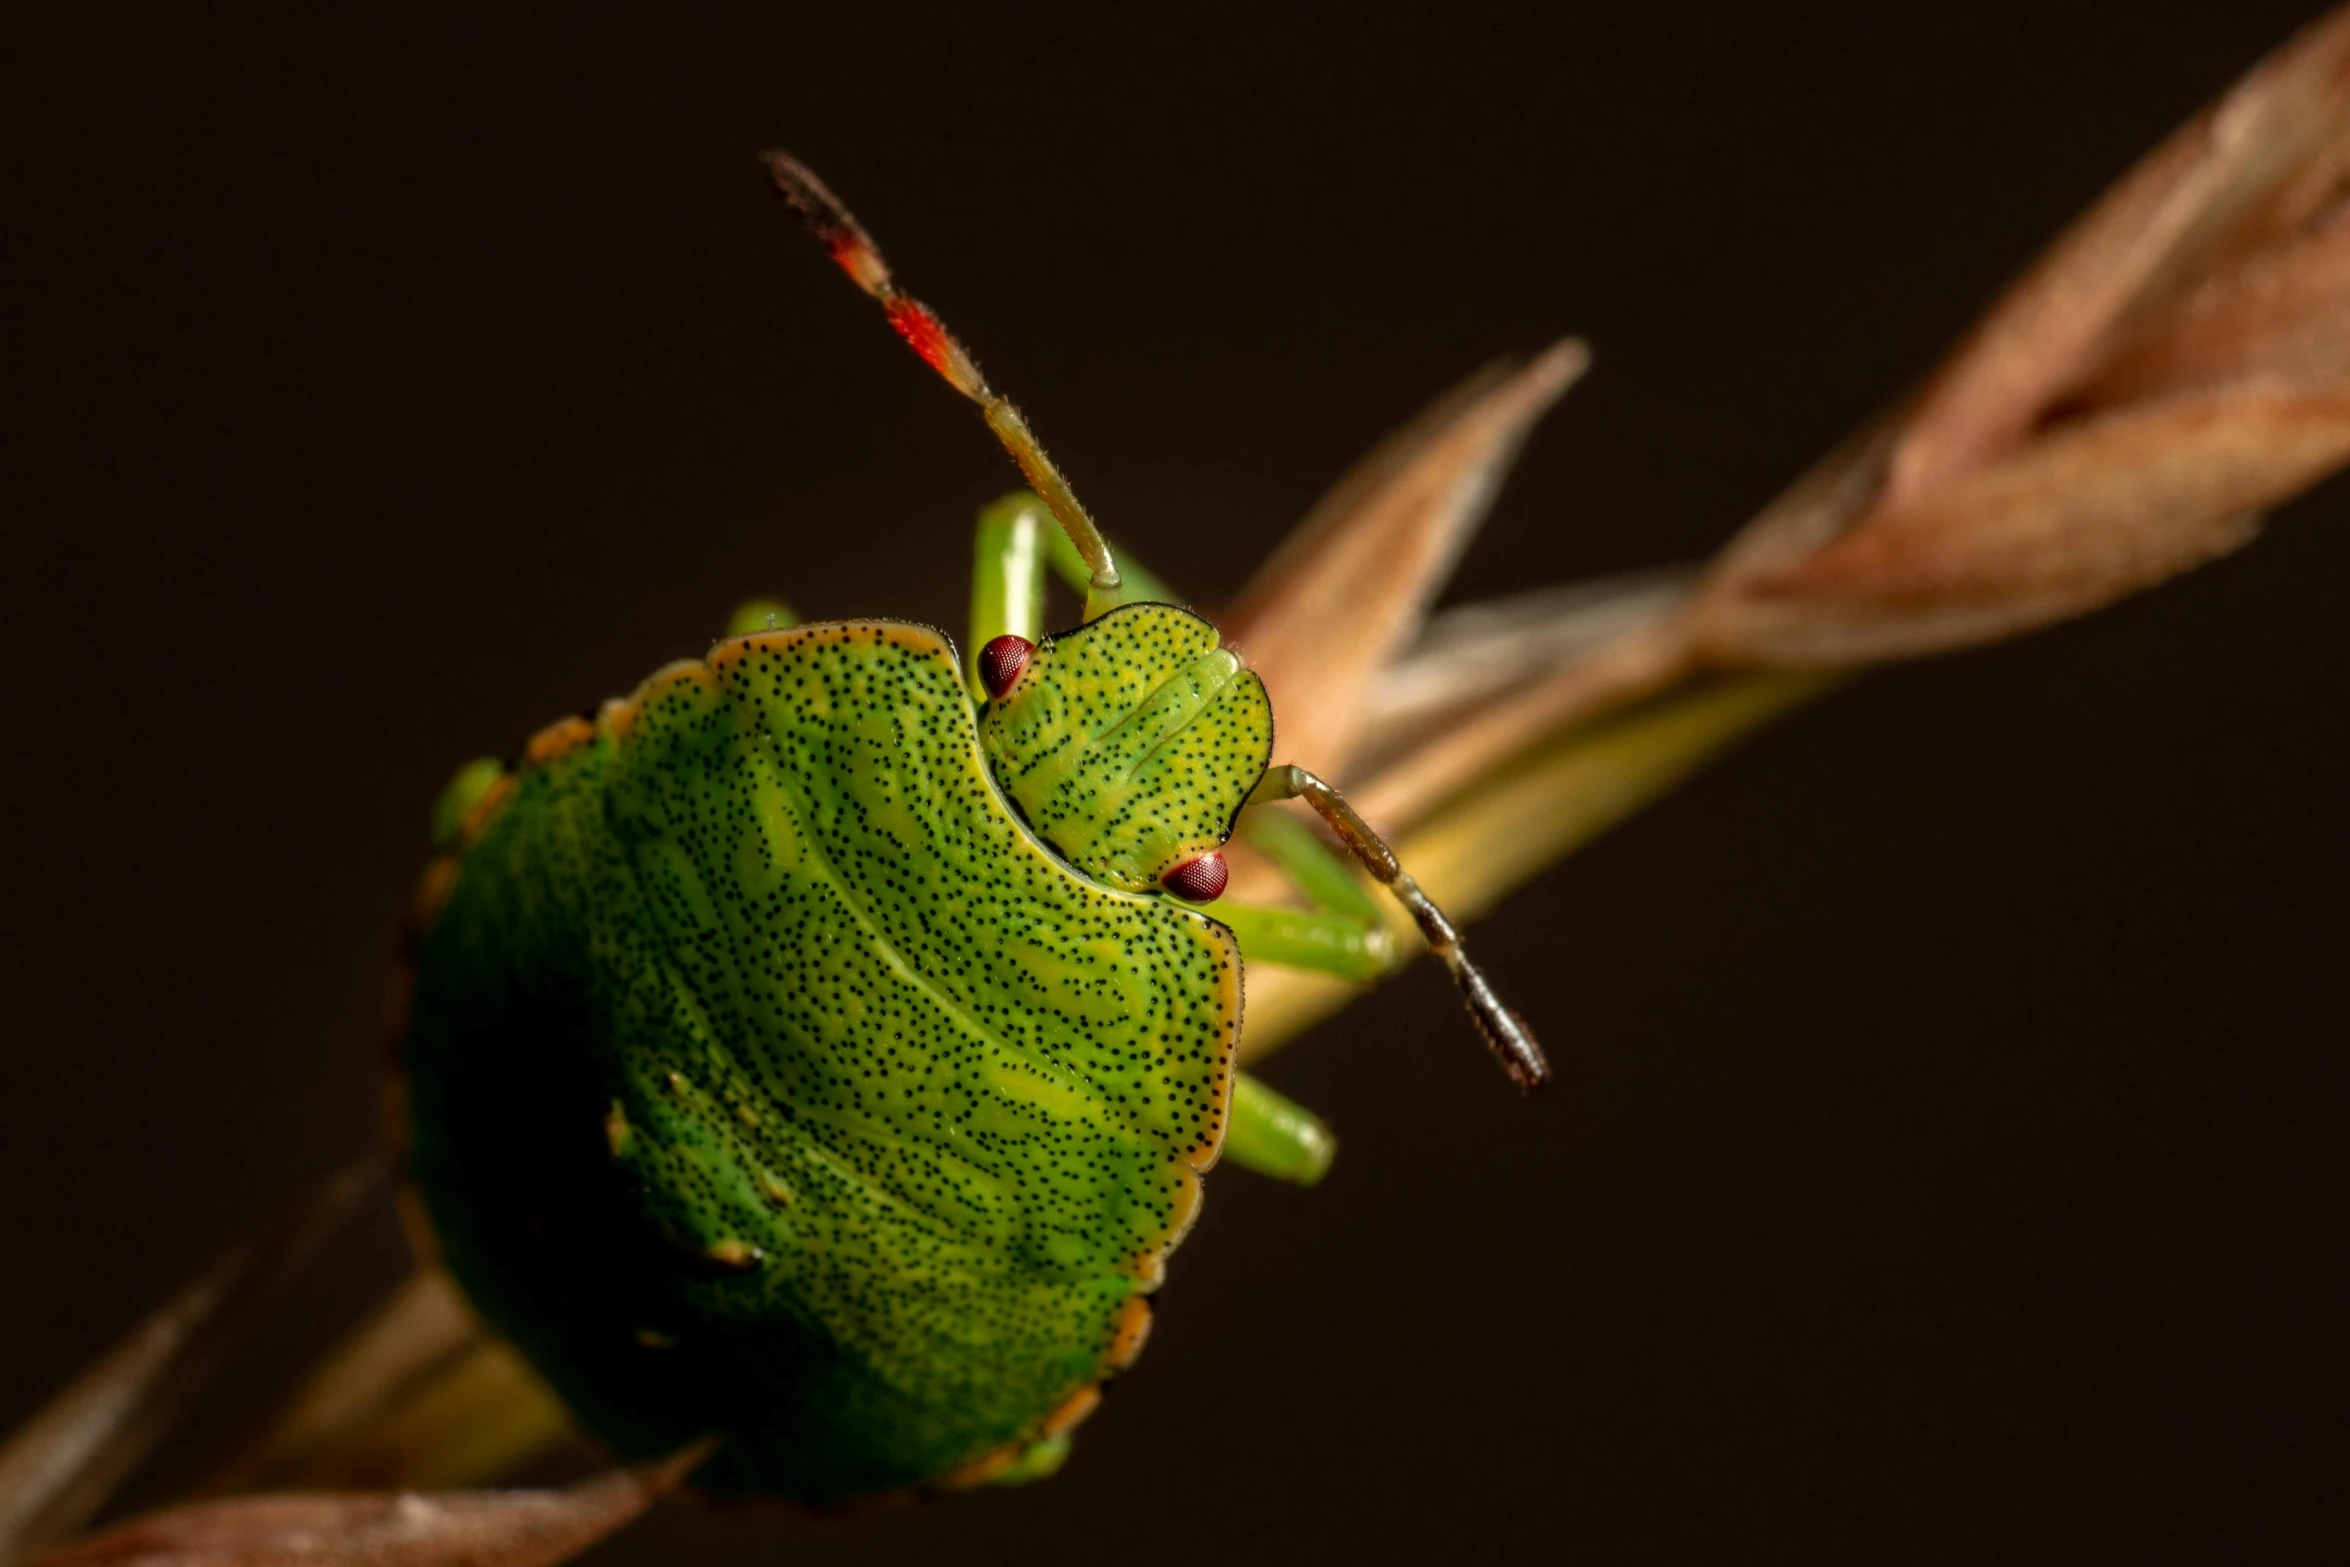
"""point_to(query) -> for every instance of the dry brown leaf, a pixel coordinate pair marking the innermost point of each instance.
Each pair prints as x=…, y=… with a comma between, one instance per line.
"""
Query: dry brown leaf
x=465, y=1423
x=61, y=1465
x=1645, y=656
x=1640, y=661
x=2248, y=168
x=421, y=1331
x=2175, y=363
x=1348, y=589
x=2103, y=508
x=2282, y=314
x=1472, y=653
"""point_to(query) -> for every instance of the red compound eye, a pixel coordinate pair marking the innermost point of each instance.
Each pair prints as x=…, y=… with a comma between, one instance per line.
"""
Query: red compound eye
x=1001, y=661
x=1198, y=881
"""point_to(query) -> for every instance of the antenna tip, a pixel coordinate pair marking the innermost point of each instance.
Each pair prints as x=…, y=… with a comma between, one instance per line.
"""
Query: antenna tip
x=829, y=219
x=1506, y=1033
x=1513, y=1046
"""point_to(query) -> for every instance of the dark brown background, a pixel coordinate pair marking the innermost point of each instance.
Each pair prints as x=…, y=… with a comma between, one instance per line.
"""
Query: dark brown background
x=1945, y=1161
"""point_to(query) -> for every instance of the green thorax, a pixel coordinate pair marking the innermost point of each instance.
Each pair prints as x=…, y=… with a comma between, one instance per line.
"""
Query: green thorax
x=767, y=1074
x=1131, y=742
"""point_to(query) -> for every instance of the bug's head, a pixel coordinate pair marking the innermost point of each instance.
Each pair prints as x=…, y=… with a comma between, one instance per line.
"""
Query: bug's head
x=1129, y=745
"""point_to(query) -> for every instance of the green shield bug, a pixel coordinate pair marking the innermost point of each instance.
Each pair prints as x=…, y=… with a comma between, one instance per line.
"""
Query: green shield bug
x=821, y=1047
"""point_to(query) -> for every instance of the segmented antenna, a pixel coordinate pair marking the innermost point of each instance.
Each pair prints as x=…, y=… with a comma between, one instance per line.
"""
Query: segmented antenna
x=1505, y=1033
x=838, y=231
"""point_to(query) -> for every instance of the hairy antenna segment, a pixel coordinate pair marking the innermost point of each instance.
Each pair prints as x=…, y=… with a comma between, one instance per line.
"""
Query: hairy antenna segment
x=1504, y=1032
x=845, y=239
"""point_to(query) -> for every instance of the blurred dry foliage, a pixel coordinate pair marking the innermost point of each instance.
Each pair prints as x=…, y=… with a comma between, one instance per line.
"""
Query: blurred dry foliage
x=2178, y=361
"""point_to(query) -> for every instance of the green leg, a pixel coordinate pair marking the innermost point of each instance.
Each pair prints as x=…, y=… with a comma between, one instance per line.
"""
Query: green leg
x=1007, y=577
x=1018, y=542
x=471, y=782
x=756, y=615
x=1327, y=881
x=1322, y=940
x=1342, y=934
x=1505, y=1033
x=1037, y=1461
x=1276, y=1136
x=1269, y=1134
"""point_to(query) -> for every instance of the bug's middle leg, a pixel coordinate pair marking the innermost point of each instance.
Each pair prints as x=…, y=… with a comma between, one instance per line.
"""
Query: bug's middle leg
x=1274, y=1135
x=1341, y=932
x=1344, y=934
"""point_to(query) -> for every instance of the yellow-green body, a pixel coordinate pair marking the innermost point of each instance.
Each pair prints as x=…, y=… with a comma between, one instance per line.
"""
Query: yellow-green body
x=768, y=1073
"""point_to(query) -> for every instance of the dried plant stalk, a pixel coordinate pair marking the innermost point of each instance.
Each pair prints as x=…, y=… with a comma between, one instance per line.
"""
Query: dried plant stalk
x=1349, y=589
x=416, y=1395
x=60, y=1466
x=2177, y=362
x=453, y=1529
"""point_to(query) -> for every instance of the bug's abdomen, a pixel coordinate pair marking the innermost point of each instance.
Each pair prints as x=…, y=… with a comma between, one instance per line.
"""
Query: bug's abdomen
x=766, y=1075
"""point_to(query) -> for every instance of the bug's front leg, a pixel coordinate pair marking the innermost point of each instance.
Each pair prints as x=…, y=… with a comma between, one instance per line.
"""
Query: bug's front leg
x=1007, y=580
x=1342, y=933
x=1014, y=548
x=1339, y=933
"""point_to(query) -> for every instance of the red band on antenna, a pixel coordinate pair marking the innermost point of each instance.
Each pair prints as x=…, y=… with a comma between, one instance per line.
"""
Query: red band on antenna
x=924, y=333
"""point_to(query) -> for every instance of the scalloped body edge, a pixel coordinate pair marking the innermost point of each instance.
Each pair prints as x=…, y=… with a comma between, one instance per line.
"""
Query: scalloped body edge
x=759, y=1070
